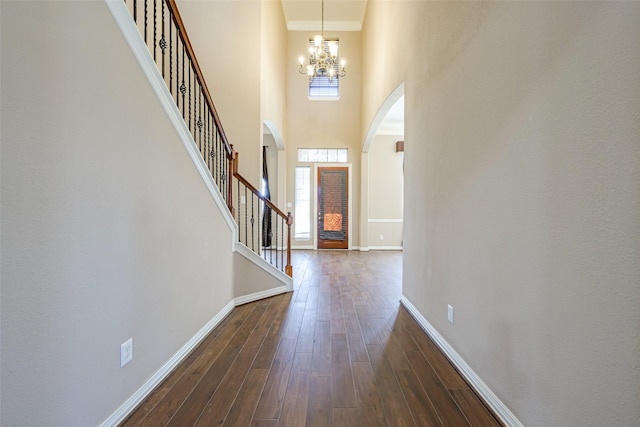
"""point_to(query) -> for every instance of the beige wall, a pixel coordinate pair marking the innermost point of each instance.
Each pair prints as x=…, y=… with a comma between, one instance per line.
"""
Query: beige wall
x=324, y=124
x=386, y=188
x=98, y=246
x=273, y=94
x=241, y=47
x=250, y=279
x=274, y=60
x=521, y=193
x=226, y=37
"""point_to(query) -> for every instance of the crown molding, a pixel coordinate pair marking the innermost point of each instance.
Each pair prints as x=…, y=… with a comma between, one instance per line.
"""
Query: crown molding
x=328, y=26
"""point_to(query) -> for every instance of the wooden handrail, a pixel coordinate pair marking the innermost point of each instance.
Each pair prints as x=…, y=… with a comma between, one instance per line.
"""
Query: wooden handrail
x=177, y=19
x=255, y=191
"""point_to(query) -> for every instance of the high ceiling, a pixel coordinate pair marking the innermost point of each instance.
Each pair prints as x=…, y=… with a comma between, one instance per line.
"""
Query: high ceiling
x=339, y=15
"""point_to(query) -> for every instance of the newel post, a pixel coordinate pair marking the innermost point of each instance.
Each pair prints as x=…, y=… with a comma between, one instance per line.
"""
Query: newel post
x=289, y=267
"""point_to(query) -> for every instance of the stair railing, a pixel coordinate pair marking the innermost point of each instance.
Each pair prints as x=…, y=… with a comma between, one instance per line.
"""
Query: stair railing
x=164, y=33
x=257, y=229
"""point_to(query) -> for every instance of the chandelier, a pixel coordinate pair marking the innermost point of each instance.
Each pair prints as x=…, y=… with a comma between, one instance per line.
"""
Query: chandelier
x=323, y=57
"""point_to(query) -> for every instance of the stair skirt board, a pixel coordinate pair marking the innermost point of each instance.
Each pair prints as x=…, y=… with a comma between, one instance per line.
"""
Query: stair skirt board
x=498, y=407
x=264, y=265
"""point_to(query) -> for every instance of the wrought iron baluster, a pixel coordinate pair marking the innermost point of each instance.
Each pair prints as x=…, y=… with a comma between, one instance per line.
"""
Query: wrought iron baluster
x=216, y=160
x=221, y=157
x=170, y=57
x=163, y=42
x=183, y=88
x=263, y=230
x=216, y=164
x=145, y=21
x=155, y=22
x=210, y=147
x=194, y=96
x=197, y=109
x=200, y=115
x=189, y=89
x=135, y=11
x=206, y=132
x=253, y=220
x=271, y=241
x=246, y=239
x=214, y=147
x=208, y=151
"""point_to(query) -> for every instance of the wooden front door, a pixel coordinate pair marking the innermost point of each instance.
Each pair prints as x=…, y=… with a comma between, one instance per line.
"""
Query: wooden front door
x=333, y=215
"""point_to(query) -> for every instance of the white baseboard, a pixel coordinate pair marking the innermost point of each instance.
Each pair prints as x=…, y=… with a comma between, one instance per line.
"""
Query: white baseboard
x=132, y=403
x=260, y=295
x=498, y=407
x=302, y=247
x=385, y=248
x=161, y=374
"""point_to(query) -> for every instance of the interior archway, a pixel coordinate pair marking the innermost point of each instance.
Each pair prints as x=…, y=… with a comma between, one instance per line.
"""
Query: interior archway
x=276, y=161
x=382, y=179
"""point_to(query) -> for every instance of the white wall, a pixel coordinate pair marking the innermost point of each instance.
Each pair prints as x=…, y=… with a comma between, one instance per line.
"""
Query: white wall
x=107, y=229
x=522, y=209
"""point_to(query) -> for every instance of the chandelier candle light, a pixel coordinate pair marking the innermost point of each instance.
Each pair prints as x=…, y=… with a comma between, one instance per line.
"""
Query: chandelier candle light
x=323, y=56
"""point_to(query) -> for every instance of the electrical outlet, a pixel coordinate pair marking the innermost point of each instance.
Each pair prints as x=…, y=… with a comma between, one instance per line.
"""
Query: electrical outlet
x=450, y=314
x=382, y=237
x=243, y=200
x=126, y=352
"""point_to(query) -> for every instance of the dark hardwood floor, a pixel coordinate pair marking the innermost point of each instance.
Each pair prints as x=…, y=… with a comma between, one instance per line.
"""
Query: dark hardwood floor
x=339, y=351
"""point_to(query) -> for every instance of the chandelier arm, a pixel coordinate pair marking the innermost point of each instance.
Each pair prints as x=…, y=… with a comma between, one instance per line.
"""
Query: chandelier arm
x=323, y=57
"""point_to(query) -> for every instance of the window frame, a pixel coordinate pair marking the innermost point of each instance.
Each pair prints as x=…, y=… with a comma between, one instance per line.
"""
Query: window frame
x=322, y=83
x=302, y=213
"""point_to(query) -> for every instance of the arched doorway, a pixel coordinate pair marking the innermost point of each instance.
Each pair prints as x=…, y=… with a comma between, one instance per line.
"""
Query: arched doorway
x=382, y=177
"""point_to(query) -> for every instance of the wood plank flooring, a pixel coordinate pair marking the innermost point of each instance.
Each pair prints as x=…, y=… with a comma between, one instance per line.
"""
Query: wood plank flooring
x=338, y=351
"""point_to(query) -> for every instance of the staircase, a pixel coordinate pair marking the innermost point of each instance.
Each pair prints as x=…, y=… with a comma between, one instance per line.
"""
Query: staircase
x=261, y=227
